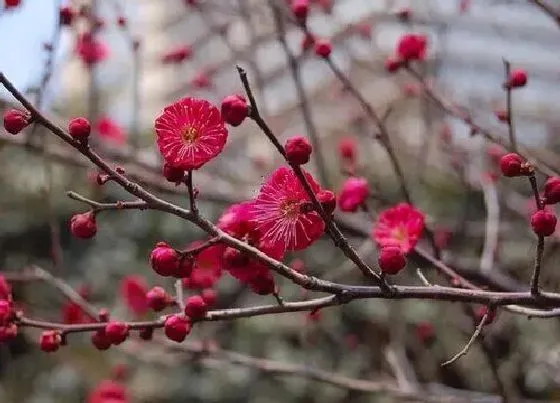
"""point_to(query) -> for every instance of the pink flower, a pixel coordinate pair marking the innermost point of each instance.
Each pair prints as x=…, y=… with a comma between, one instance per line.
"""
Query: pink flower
x=110, y=130
x=281, y=215
x=353, y=194
x=90, y=49
x=401, y=225
x=412, y=47
x=236, y=220
x=207, y=268
x=133, y=292
x=190, y=132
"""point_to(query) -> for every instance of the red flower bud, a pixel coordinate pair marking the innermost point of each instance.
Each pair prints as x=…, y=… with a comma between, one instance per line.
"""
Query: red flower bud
x=348, y=149
x=483, y=310
x=502, y=115
x=11, y=3
x=83, y=225
x=158, y=299
x=412, y=47
x=425, y=332
x=177, y=328
x=172, y=174
x=543, y=222
x=50, y=341
x=517, y=78
x=307, y=42
x=391, y=259
x=392, y=64
x=234, y=109
x=300, y=8
x=298, y=150
x=513, y=165
x=79, y=129
x=164, y=260
x=121, y=21
x=15, y=120
x=100, y=340
x=116, y=332
x=66, y=15
x=404, y=14
x=552, y=190
x=195, y=307
x=323, y=48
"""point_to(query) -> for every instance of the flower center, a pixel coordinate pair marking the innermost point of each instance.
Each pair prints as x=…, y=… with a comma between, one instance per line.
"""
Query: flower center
x=189, y=135
x=400, y=233
x=290, y=208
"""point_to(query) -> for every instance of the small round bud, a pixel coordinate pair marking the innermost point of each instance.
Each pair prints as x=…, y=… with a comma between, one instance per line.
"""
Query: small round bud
x=348, y=149
x=543, y=222
x=502, y=115
x=323, y=48
x=517, y=78
x=66, y=15
x=552, y=190
x=164, y=260
x=234, y=109
x=300, y=9
x=121, y=21
x=15, y=120
x=100, y=340
x=391, y=259
x=425, y=332
x=50, y=341
x=79, y=129
x=83, y=225
x=158, y=299
x=172, y=174
x=116, y=332
x=512, y=164
x=195, y=307
x=392, y=64
x=177, y=328
x=298, y=150
x=483, y=310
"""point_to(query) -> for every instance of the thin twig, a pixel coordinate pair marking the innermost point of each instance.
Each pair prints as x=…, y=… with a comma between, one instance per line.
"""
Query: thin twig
x=509, y=106
x=120, y=205
x=473, y=338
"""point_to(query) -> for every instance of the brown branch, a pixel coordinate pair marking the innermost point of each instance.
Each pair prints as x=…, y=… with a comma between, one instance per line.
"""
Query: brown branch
x=339, y=240
x=120, y=205
x=548, y=9
x=306, y=112
x=509, y=107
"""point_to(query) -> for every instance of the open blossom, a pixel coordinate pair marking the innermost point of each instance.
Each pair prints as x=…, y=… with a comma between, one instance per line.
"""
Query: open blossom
x=401, y=225
x=190, y=132
x=281, y=215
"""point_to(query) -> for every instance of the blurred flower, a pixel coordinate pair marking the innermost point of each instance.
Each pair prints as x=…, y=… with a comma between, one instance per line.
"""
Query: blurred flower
x=109, y=391
x=353, y=194
x=133, y=292
x=110, y=130
x=401, y=225
x=207, y=268
x=177, y=54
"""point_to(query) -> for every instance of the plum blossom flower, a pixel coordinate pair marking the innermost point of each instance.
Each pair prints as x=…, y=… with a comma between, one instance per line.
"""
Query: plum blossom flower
x=281, y=215
x=401, y=225
x=190, y=132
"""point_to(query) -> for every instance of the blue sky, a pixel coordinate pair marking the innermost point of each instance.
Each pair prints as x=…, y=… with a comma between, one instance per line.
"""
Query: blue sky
x=22, y=34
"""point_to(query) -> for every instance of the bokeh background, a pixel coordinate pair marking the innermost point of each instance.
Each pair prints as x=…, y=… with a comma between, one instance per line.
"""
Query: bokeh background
x=450, y=172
